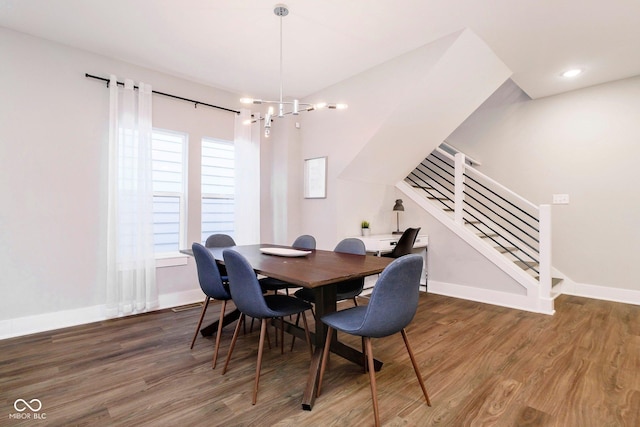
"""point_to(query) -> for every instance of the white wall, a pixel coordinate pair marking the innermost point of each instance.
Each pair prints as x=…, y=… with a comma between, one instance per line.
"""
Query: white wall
x=582, y=143
x=281, y=186
x=398, y=113
x=53, y=136
x=53, y=142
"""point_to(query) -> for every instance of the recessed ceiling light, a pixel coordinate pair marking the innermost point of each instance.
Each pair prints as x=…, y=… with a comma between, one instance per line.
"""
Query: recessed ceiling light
x=572, y=73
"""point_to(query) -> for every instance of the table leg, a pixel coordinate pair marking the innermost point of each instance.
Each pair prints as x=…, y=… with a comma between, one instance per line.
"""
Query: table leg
x=325, y=297
x=326, y=303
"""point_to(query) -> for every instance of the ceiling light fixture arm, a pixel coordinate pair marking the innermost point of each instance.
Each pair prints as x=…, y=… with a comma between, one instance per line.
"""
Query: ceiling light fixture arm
x=281, y=11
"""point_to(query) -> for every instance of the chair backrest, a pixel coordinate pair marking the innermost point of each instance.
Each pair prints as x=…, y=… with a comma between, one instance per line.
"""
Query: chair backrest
x=351, y=245
x=394, y=299
x=219, y=241
x=354, y=286
x=305, y=242
x=405, y=243
x=244, y=286
x=208, y=273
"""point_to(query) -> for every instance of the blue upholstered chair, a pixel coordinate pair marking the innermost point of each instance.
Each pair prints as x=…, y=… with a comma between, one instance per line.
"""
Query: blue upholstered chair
x=349, y=289
x=391, y=308
x=212, y=285
x=220, y=241
x=249, y=299
x=304, y=242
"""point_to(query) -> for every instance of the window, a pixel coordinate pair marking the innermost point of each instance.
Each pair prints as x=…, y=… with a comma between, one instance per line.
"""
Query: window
x=218, y=187
x=169, y=188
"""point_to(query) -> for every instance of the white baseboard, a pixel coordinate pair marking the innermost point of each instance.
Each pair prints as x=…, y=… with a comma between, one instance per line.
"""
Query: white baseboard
x=486, y=296
x=625, y=296
x=28, y=325
x=521, y=302
x=180, y=298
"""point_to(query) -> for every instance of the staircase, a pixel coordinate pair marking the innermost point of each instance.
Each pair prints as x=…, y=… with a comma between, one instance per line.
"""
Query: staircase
x=507, y=229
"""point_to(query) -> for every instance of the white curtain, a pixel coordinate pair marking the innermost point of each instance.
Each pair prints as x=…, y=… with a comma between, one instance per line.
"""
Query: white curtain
x=131, y=274
x=247, y=180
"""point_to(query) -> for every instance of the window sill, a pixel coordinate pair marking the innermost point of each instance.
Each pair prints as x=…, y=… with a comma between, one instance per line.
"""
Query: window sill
x=172, y=259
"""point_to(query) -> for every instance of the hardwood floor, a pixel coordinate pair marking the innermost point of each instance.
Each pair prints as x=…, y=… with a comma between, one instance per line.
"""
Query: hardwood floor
x=482, y=365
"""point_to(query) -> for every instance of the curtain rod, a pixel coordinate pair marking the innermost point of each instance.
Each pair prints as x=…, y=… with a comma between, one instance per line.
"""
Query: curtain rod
x=196, y=103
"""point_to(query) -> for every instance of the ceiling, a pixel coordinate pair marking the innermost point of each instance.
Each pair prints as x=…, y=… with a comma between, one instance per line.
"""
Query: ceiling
x=234, y=44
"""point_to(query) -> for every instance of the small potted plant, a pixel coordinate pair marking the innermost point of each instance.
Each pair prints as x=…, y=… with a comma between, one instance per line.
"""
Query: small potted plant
x=365, y=228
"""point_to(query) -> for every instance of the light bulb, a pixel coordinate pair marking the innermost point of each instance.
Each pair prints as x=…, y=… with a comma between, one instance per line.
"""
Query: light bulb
x=572, y=73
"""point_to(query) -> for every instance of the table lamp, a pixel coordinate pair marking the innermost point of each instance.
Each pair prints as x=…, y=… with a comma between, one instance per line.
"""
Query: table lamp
x=397, y=208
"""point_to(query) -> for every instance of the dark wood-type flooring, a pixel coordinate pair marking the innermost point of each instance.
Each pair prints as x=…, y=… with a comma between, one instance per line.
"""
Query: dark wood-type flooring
x=482, y=365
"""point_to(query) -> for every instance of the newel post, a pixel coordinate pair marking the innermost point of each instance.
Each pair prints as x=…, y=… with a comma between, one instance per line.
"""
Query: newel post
x=545, y=251
x=458, y=195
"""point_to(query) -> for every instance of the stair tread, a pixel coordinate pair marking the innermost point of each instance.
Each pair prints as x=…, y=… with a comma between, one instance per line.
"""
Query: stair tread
x=526, y=265
x=486, y=236
x=554, y=280
x=506, y=249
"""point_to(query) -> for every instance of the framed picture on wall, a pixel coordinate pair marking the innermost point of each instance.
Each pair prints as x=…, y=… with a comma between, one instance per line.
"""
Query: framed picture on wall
x=315, y=178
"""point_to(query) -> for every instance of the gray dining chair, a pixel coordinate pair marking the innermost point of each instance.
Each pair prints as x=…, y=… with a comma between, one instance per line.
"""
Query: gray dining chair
x=305, y=242
x=391, y=308
x=213, y=287
x=248, y=298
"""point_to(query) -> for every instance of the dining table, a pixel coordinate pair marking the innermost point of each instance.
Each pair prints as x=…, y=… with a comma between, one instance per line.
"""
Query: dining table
x=320, y=271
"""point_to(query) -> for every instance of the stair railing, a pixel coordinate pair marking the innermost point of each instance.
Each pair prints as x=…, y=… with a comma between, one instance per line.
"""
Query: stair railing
x=514, y=226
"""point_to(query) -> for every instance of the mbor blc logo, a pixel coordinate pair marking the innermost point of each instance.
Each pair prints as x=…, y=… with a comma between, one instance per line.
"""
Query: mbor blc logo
x=28, y=410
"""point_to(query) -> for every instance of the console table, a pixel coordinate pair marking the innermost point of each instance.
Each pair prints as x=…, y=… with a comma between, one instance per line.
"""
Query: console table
x=384, y=243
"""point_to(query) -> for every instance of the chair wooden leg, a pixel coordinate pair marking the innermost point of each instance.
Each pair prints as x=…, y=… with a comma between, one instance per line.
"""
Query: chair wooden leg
x=415, y=366
x=263, y=331
x=233, y=343
x=365, y=365
x=325, y=356
x=219, y=334
x=293, y=340
x=282, y=335
x=269, y=340
x=306, y=333
x=202, y=312
x=244, y=328
x=372, y=379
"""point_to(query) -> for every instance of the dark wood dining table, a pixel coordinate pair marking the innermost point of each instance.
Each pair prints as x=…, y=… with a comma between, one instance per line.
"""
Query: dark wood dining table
x=320, y=271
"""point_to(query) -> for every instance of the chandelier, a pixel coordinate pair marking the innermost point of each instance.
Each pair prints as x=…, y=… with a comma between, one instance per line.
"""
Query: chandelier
x=285, y=107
